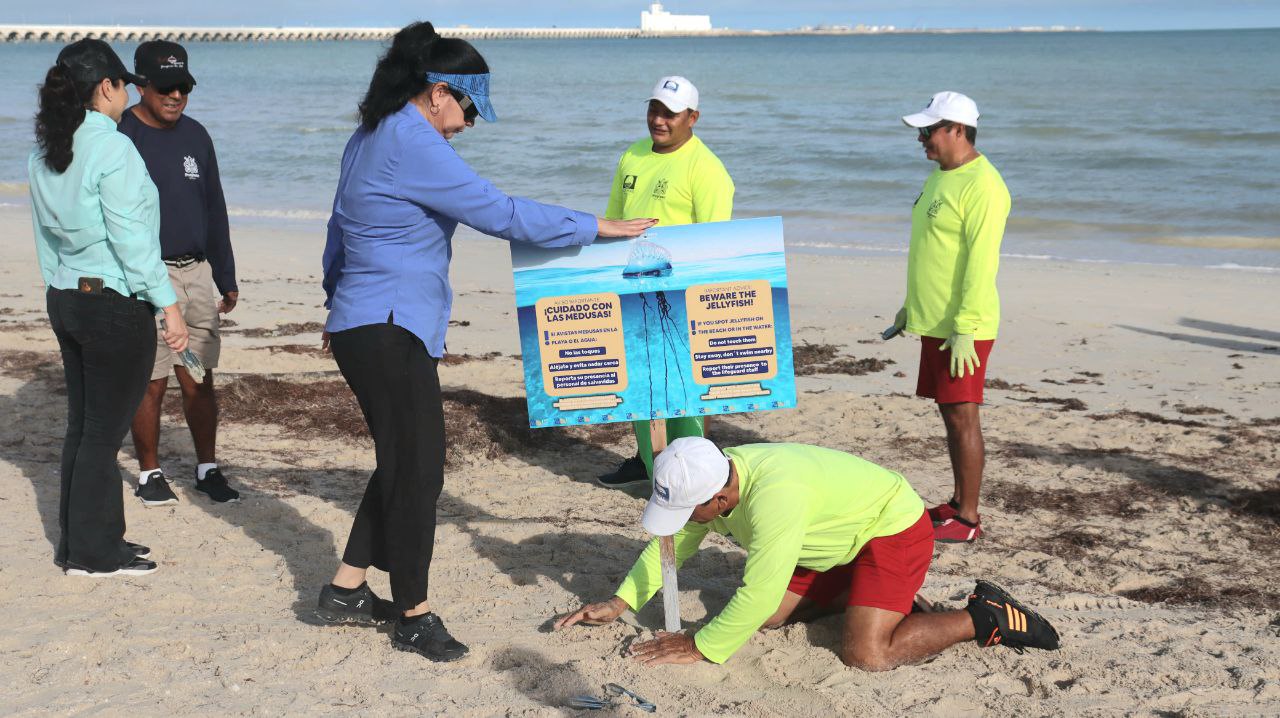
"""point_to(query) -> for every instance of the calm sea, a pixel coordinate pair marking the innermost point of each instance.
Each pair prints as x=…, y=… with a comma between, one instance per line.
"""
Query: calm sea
x=1147, y=147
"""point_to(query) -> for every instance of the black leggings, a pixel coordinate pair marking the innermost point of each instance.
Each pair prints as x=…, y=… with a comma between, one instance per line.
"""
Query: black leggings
x=395, y=381
x=108, y=345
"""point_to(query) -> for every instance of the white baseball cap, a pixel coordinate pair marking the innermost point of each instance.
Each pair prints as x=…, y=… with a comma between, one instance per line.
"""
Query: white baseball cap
x=688, y=472
x=948, y=106
x=677, y=93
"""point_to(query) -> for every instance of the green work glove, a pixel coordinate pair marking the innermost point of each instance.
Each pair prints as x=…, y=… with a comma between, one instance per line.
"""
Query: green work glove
x=963, y=355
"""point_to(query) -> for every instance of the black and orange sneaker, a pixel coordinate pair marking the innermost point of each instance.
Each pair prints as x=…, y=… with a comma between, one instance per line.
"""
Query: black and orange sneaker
x=999, y=620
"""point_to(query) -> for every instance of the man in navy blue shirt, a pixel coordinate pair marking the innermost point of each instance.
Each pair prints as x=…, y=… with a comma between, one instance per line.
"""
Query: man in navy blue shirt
x=195, y=243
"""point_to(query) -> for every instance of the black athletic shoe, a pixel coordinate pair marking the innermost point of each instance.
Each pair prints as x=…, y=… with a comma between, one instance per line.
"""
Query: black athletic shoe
x=156, y=491
x=361, y=607
x=138, y=550
x=629, y=473
x=214, y=485
x=427, y=636
x=135, y=567
x=998, y=619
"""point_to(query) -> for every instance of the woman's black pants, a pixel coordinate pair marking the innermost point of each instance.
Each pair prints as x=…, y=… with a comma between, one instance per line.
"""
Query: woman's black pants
x=395, y=381
x=108, y=345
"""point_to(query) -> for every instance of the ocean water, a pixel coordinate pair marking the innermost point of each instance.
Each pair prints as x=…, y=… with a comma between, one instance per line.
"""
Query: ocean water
x=534, y=284
x=1145, y=147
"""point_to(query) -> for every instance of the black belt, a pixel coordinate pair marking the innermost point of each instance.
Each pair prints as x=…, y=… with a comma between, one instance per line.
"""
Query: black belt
x=184, y=260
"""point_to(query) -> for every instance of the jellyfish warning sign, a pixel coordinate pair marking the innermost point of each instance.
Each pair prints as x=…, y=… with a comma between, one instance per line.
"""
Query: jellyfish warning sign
x=684, y=321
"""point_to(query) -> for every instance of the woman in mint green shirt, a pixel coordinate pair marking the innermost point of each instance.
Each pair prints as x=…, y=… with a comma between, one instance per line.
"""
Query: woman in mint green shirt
x=96, y=220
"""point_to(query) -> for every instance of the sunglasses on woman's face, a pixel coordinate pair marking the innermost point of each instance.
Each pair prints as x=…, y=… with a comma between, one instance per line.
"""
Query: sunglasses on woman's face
x=927, y=132
x=183, y=88
x=469, y=110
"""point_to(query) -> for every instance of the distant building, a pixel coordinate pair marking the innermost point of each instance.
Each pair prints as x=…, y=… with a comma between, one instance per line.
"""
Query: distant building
x=656, y=19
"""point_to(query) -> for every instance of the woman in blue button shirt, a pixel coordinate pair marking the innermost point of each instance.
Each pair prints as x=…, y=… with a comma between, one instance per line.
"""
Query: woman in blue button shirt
x=97, y=228
x=402, y=192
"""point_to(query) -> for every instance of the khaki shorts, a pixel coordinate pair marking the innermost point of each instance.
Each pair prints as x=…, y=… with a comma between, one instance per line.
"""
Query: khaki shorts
x=198, y=303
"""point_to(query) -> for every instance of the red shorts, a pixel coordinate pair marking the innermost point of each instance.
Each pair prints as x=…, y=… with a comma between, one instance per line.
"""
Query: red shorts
x=935, y=380
x=886, y=573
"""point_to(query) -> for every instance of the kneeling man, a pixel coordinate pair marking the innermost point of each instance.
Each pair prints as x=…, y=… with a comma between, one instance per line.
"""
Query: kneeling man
x=820, y=527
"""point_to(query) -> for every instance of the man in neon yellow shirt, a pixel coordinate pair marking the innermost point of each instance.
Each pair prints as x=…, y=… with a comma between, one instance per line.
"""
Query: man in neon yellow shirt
x=956, y=227
x=674, y=177
x=822, y=529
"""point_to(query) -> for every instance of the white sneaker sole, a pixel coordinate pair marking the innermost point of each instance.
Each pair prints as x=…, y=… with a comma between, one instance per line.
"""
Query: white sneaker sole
x=111, y=574
x=164, y=502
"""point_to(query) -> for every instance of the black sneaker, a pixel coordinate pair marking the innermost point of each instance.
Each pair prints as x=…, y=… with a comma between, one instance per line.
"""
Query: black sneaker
x=629, y=473
x=138, y=550
x=135, y=567
x=998, y=619
x=427, y=636
x=362, y=607
x=156, y=491
x=214, y=485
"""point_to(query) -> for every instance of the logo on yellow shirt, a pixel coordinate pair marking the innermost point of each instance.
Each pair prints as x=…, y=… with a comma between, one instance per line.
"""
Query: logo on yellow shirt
x=660, y=189
x=934, y=207
x=629, y=183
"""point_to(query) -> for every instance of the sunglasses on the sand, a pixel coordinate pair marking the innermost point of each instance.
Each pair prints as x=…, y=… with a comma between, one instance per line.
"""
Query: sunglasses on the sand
x=184, y=88
x=927, y=132
x=469, y=110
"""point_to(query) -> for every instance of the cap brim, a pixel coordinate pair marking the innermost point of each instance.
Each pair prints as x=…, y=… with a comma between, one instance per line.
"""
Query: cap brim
x=169, y=79
x=132, y=79
x=661, y=521
x=920, y=119
x=484, y=108
x=676, y=107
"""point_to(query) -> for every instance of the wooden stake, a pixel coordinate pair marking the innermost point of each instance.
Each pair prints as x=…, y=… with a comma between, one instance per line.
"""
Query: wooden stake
x=666, y=544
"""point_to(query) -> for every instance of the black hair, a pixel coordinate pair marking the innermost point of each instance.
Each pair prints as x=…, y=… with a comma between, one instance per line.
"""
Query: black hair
x=63, y=100
x=401, y=73
x=971, y=134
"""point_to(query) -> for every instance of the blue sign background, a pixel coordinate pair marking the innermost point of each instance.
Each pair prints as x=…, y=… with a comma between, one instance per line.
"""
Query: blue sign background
x=655, y=325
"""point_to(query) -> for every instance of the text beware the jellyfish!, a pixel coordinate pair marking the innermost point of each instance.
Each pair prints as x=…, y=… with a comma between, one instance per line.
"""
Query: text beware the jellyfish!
x=648, y=261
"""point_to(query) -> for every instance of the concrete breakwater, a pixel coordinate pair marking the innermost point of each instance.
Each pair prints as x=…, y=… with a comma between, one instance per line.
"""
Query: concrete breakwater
x=112, y=33
x=122, y=33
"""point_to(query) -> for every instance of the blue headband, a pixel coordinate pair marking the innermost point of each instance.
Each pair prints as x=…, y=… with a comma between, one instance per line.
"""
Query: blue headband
x=474, y=86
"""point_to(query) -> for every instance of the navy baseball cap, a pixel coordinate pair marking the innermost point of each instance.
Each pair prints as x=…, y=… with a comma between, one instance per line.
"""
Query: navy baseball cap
x=162, y=64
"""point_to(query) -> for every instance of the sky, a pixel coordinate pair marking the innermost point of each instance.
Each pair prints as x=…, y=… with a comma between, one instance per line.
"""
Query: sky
x=737, y=14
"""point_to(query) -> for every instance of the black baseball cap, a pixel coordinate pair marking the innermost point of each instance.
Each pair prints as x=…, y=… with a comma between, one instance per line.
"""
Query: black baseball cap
x=162, y=64
x=92, y=60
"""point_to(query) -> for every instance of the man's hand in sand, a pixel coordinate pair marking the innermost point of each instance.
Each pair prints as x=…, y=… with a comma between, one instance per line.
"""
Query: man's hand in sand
x=594, y=614
x=667, y=648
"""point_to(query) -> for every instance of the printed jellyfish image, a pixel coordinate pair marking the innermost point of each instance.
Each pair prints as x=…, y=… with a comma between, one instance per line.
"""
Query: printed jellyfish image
x=667, y=340
x=647, y=260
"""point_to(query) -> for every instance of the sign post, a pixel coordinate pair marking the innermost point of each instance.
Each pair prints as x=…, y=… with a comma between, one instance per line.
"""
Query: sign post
x=666, y=545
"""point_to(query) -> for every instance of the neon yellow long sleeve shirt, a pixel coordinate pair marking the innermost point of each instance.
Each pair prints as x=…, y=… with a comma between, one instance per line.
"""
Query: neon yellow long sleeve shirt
x=687, y=186
x=799, y=505
x=956, y=228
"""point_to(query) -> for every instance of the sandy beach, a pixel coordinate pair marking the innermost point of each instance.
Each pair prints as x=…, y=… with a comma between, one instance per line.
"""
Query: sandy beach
x=1132, y=496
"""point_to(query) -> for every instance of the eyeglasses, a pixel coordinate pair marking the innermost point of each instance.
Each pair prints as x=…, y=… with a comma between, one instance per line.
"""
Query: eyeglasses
x=184, y=88
x=469, y=110
x=927, y=132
